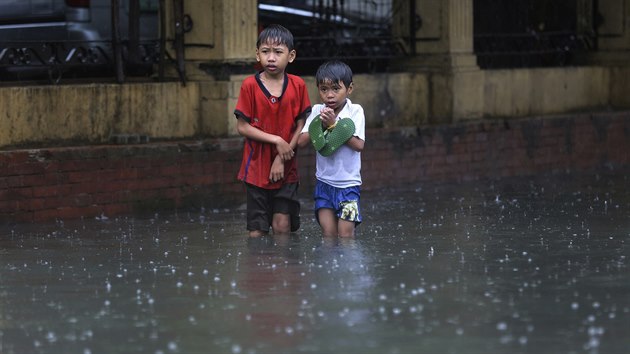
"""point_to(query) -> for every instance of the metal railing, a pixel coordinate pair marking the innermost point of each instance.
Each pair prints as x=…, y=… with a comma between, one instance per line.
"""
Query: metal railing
x=533, y=33
x=524, y=33
x=356, y=31
x=53, y=61
x=548, y=49
x=120, y=57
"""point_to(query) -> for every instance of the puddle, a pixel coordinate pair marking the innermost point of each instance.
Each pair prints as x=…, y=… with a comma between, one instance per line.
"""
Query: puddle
x=511, y=266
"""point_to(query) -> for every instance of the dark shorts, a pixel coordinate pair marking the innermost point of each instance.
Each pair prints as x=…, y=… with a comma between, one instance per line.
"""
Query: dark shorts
x=343, y=201
x=262, y=204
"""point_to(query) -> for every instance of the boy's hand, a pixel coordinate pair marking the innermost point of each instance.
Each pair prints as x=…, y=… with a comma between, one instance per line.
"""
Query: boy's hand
x=284, y=150
x=327, y=115
x=277, y=170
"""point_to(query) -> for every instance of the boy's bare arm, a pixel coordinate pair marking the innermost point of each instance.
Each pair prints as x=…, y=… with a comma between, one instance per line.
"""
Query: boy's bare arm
x=247, y=130
x=304, y=139
x=356, y=144
x=277, y=167
x=297, y=136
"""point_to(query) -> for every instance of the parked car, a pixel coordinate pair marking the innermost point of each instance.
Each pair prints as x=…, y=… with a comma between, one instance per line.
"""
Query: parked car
x=360, y=37
x=31, y=20
x=53, y=38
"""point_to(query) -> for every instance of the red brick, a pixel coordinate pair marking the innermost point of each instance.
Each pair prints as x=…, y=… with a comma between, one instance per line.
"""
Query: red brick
x=78, y=212
x=114, y=186
x=150, y=171
x=14, y=157
x=35, y=204
x=155, y=183
x=111, y=210
x=205, y=180
x=27, y=168
x=45, y=215
x=81, y=176
x=214, y=167
x=88, y=187
x=103, y=198
x=8, y=206
x=83, y=200
x=170, y=170
x=19, y=193
x=45, y=191
x=14, y=181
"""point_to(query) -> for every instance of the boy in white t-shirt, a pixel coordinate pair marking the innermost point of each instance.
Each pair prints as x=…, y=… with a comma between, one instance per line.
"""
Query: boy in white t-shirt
x=338, y=168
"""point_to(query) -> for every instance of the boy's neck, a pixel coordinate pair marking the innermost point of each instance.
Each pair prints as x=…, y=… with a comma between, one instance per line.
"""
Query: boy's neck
x=273, y=83
x=264, y=76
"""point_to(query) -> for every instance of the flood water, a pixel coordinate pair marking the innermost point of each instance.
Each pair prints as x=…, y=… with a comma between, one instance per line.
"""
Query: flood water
x=528, y=265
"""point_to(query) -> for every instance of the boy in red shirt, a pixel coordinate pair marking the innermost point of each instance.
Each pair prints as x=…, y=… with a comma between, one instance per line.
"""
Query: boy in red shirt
x=271, y=110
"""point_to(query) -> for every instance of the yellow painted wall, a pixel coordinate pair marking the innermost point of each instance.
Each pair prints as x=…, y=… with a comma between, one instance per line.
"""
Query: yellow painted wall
x=221, y=30
x=36, y=115
x=509, y=93
x=93, y=112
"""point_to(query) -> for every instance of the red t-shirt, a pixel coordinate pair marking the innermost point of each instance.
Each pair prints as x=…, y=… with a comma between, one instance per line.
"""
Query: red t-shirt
x=273, y=115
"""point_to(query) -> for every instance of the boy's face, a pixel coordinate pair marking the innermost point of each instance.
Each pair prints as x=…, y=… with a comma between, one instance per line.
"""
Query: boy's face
x=334, y=94
x=274, y=57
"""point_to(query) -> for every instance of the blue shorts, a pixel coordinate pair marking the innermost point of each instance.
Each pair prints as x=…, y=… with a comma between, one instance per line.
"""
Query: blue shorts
x=343, y=201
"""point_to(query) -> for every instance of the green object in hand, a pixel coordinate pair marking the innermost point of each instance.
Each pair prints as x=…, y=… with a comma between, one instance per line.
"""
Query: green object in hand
x=328, y=141
x=316, y=133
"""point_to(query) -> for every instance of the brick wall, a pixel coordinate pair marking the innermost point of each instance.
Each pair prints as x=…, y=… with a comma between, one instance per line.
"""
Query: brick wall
x=108, y=180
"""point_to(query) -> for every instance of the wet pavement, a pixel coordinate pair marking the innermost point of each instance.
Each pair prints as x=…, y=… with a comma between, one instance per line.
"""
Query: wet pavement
x=529, y=265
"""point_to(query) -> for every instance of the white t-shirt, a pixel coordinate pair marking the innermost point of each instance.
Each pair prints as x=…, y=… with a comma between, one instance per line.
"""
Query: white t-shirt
x=342, y=169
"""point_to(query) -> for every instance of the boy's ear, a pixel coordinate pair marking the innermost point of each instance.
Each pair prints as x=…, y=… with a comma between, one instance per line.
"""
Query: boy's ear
x=292, y=55
x=350, y=87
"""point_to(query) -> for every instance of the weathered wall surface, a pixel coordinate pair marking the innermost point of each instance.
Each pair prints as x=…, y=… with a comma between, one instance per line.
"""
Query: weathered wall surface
x=518, y=93
x=91, y=181
x=39, y=115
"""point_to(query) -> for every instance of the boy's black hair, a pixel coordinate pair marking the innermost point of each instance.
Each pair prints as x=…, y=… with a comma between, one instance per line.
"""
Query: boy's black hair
x=275, y=34
x=335, y=71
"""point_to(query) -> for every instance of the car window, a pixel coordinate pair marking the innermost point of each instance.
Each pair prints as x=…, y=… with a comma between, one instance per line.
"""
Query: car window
x=19, y=11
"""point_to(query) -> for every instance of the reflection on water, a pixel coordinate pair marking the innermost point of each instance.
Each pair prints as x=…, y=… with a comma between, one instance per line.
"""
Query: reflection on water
x=515, y=266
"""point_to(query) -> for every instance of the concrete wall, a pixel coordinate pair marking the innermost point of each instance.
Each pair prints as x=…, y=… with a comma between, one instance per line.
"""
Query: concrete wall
x=518, y=93
x=71, y=114
x=619, y=87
